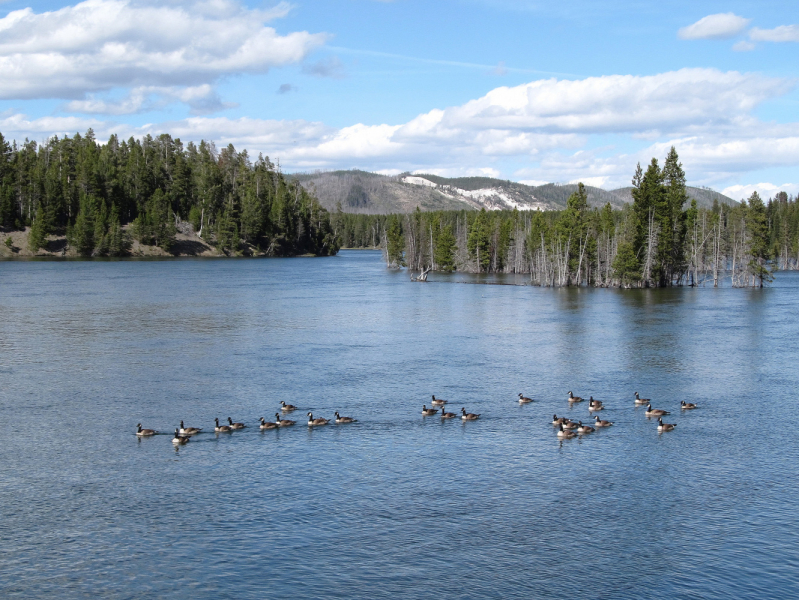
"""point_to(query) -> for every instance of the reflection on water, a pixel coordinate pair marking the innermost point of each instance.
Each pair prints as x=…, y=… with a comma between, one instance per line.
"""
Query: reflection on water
x=395, y=505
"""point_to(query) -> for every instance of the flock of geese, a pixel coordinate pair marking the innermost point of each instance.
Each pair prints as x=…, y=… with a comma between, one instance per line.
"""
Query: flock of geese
x=567, y=428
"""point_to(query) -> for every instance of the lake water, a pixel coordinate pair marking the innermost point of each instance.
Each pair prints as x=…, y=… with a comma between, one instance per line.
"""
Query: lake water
x=395, y=505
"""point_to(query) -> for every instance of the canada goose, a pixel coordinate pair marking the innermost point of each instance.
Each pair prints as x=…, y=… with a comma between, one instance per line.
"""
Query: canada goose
x=283, y=422
x=179, y=439
x=267, y=425
x=427, y=412
x=584, y=428
x=188, y=430
x=687, y=405
x=287, y=407
x=468, y=416
x=524, y=399
x=594, y=404
x=316, y=422
x=145, y=432
x=568, y=424
x=574, y=398
x=235, y=425
x=600, y=423
x=562, y=433
x=448, y=415
x=665, y=426
x=340, y=419
x=559, y=420
x=655, y=412
x=639, y=400
x=221, y=428
x=437, y=401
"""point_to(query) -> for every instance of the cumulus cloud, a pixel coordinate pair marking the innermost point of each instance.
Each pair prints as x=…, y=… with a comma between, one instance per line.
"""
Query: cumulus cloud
x=714, y=27
x=743, y=46
x=783, y=33
x=673, y=101
x=100, y=45
x=202, y=99
x=765, y=190
x=541, y=131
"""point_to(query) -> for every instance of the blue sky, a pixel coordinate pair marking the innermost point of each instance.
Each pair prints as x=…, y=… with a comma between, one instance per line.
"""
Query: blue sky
x=523, y=90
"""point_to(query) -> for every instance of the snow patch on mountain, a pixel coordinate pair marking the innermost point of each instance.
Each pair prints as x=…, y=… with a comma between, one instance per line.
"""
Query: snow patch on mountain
x=495, y=198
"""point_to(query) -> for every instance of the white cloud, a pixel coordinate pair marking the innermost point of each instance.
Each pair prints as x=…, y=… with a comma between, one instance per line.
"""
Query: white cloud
x=541, y=131
x=765, y=190
x=202, y=99
x=714, y=27
x=743, y=46
x=783, y=33
x=99, y=45
x=672, y=101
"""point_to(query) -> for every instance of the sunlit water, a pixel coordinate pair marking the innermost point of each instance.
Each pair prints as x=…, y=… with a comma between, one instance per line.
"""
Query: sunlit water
x=396, y=505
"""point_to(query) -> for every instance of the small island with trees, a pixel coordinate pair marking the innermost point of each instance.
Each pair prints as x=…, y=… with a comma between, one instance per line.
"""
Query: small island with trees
x=659, y=240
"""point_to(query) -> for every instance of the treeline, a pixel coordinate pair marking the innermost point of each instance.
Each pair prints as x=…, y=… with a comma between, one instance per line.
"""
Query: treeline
x=659, y=240
x=104, y=195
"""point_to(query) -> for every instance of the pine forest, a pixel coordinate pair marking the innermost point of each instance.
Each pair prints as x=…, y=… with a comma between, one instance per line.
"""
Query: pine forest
x=103, y=197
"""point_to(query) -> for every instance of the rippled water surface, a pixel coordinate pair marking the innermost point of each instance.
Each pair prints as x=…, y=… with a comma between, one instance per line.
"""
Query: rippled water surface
x=395, y=505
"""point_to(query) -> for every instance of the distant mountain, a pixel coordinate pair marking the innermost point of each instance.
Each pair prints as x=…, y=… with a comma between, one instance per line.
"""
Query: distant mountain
x=371, y=193
x=704, y=196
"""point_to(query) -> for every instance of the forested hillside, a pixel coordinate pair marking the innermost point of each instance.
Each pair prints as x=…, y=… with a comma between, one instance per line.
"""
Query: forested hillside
x=661, y=239
x=105, y=196
x=371, y=193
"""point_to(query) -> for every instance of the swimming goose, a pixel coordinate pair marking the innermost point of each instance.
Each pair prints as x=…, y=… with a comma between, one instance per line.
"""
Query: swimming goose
x=562, y=433
x=584, y=428
x=235, y=425
x=594, y=404
x=639, y=400
x=221, y=428
x=574, y=398
x=655, y=412
x=427, y=412
x=188, y=430
x=447, y=415
x=569, y=424
x=468, y=416
x=316, y=422
x=267, y=425
x=687, y=405
x=437, y=401
x=600, y=423
x=179, y=439
x=283, y=422
x=287, y=407
x=524, y=399
x=665, y=426
x=340, y=419
x=145, y=432
x=559, y=420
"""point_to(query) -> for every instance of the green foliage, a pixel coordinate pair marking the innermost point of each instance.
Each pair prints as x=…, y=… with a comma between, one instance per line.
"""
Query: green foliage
x=395, y=242
x=626, y=265
x=154, y=183
x=759, y=251
x=37, y=237
x=479, y=241
x=445, y=249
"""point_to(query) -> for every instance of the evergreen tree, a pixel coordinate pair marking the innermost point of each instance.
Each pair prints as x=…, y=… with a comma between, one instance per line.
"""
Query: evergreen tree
x=37, y=237
x=759, y=244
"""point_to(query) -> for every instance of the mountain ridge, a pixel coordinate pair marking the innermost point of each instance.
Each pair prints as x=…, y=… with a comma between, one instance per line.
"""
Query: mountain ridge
x=358, y=191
